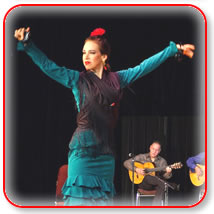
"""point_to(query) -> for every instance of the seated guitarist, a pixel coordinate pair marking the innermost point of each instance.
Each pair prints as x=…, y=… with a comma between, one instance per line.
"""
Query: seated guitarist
x=153, y=182
x=197, y=173
x=193, y=161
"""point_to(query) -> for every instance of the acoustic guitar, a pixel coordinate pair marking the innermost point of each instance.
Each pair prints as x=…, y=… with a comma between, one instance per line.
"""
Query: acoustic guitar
x=195, y=179
x=149, y=170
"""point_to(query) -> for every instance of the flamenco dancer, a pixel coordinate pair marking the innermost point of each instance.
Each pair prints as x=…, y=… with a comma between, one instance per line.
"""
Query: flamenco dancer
x=97, y=92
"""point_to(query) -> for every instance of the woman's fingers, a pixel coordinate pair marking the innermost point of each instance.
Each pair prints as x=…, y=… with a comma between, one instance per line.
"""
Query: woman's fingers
x=28, y=29
x=15, y=34
x=19, y=33
x=188, y=46
x=188, y=50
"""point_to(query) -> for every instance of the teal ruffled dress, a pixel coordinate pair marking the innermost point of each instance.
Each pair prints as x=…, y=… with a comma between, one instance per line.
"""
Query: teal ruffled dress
x=90, y=177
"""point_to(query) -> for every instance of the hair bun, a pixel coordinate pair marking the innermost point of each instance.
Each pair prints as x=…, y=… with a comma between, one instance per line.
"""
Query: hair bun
x=98, y=32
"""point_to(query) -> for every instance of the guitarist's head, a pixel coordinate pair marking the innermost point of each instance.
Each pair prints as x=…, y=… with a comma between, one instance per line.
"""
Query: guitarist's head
x=155, y=149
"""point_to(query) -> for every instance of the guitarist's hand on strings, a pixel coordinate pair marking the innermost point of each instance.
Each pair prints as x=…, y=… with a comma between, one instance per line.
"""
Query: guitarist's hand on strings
x=198, y=171
x=140, y=171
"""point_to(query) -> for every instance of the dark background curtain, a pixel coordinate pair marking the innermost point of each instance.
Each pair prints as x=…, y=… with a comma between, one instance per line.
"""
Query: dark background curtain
x=162, y=105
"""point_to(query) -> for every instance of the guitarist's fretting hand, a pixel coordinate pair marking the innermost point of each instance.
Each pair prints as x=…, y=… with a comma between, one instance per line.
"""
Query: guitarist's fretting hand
x=140, y=171
x=168, y=169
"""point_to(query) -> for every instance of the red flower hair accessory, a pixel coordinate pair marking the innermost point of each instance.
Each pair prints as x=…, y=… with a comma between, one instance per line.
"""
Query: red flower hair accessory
x=98, y=32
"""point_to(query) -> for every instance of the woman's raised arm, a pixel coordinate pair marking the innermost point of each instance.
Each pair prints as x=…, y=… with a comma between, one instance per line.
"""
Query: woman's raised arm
x=66, y=77
x=129, y=75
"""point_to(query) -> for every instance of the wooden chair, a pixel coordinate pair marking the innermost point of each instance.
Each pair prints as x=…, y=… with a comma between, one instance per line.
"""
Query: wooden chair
x=142, y=193
x=61, y=178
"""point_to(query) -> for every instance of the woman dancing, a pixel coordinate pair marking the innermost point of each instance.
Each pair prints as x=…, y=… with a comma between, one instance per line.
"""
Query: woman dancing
x=97, y=92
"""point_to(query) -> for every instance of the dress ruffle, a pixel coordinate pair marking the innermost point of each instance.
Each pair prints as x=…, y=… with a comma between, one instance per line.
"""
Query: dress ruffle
x=86, y=190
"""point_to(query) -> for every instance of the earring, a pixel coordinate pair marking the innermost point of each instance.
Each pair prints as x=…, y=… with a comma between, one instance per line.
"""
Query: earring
x=104, y=66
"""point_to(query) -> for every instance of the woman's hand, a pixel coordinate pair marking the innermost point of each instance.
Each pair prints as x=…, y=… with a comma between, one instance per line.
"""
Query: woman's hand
x=20, y=33
x=187, y=49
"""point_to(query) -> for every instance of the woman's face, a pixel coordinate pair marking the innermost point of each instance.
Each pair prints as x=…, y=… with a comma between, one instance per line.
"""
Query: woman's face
x=92, y=57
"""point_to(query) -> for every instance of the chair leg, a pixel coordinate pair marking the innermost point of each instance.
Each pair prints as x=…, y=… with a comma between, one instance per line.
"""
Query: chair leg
x=201, y=194
x=165, y=201
x=137, y=199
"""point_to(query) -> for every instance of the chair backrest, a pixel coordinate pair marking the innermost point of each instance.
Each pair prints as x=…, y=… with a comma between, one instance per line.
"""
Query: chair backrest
x=61, y=178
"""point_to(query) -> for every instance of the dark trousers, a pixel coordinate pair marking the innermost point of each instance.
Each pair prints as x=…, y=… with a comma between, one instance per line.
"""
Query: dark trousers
x=154, y=183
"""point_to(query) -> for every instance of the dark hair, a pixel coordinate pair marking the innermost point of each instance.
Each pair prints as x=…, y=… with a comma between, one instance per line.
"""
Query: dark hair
x=103, y=46
x=156, y=141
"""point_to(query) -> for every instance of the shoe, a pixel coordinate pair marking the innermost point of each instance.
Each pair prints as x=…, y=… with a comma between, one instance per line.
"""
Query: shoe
x=176, y=187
